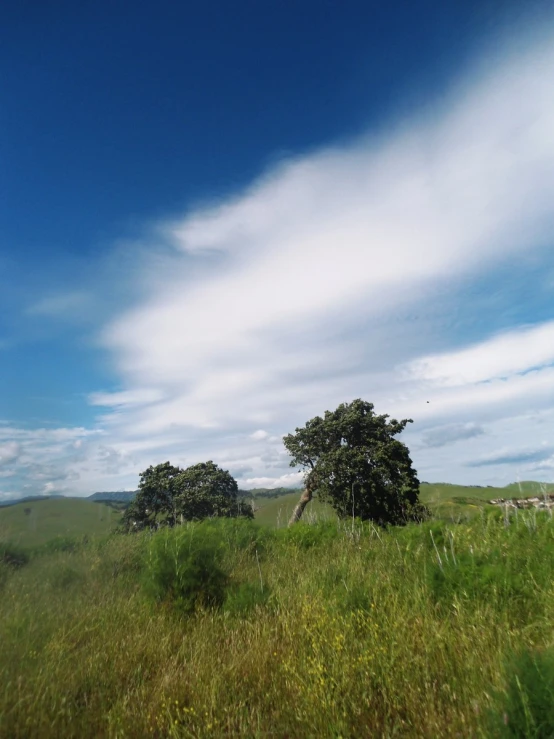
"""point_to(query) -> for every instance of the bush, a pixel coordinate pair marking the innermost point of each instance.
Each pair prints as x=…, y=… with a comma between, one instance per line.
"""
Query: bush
x=506, y=564
x=479, y=577
x=122, y=556
x=13, y=555
x=64, y=577
x=61, y=544
x=4, y=574
x=414, y=535
x=306, y=536
x=236, y=534
x=526, y=709
x=244, y=597
x=184, y=570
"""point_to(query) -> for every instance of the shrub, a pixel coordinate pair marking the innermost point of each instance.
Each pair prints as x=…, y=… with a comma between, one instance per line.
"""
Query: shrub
x=236, y=534
x=64, y=577
x=306, y=536
x=4, y=574
x=61, y=544
x=13, y=555
x=184, y=570
x=509, y=564
x=429, y=535
x=526, y=708
x=244, y=597
x=482, y=577
x=122, y=555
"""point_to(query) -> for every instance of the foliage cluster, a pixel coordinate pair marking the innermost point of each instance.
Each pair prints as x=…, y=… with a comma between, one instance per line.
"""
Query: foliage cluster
x=527, y=704
x=169, y=495
x=194, y=566
x=355, y=463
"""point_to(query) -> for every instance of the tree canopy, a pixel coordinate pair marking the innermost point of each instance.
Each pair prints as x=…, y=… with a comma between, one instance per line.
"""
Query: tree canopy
x=169, y=495
x=355, y=464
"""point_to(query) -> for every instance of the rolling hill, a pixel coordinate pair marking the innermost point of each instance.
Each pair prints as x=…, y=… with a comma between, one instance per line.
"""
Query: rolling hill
x=34, y=521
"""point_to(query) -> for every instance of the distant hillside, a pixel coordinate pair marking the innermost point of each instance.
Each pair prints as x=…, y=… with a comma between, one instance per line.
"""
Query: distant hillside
x=529, y=487
x=33, y=523
x=27, y=499
x=115, y=497
x=267, y=492
x=127, y=497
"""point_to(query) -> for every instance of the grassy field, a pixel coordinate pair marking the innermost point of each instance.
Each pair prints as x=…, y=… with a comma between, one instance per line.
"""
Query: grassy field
x=277, y=511
x=232, y=629
x=55, y=517
x=445, y=500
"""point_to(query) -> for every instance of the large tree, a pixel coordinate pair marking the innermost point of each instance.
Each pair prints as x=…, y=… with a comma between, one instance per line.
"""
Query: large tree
x=154, y=503
x=169, y=495
x=205, y=490
x=353, y=462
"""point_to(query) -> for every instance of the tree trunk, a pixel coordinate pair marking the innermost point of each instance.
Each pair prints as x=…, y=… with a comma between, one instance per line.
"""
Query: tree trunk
x=302, y=503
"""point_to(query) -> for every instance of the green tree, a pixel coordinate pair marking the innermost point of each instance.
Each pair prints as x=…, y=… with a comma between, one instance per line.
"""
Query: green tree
x=205, y=490
x=354, y=463
x=154, y=503
x=169, y=495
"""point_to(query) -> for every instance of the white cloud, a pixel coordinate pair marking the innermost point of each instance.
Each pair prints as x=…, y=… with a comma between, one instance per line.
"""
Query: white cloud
x=46, y=435
x=342, y=274
x=513, y=352
x=291, y=480
x=126, y=398
x=449, y=434
x=61, y=305
x=259, y=435
x=9, y=452
x=316, y=271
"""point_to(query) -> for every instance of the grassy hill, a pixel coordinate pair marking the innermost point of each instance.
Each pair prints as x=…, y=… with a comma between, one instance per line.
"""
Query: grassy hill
x=446, y=501
x=527, y=488
x=229, y=629
x=54, y=517
x=277, y=511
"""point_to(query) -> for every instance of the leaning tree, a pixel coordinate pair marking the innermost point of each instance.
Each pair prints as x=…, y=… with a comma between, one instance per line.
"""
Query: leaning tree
x=352, y=460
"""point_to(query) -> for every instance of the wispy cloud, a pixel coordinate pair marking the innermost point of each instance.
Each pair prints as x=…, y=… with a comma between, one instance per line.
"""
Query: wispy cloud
x=514, y=457
x=126, y=398
x=344, y=274
x=64, y=305
x=450, y=434
x=9, y=452
x=311, y=279
x=515, y=352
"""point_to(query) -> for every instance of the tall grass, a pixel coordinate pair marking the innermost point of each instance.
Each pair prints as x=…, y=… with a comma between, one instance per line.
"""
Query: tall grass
x=336, y=629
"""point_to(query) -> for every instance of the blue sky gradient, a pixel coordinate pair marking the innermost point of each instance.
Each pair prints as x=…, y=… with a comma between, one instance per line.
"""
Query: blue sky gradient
x=218, y=220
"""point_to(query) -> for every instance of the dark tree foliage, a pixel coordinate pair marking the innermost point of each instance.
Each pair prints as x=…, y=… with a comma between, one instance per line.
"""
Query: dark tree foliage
x=205, y=490
x=354, y=463
x=169, y=495
x=154, y=503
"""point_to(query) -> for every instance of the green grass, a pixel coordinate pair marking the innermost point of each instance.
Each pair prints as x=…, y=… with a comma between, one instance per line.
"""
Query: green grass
x=63, y=517
x=277, y=511
x=527, y=488
x=56, y=517
x=327, y=630
x=449, y=502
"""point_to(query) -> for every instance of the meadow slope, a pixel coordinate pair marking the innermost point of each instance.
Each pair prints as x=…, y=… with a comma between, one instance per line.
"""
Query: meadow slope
x=232, y=629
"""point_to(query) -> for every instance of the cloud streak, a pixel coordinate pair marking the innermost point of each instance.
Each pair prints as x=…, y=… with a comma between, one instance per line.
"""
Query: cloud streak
x=340, y=274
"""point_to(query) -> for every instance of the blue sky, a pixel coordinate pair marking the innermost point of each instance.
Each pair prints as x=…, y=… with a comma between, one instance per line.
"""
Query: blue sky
x=219, y=220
